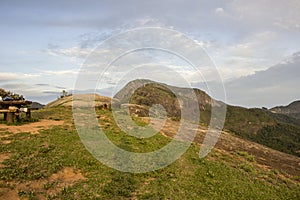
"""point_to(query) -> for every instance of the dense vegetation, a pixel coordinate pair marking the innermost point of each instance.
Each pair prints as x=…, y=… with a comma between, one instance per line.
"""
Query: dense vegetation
x=4, y=93
x=277, y=131
x=282, y=137
x=283, y=118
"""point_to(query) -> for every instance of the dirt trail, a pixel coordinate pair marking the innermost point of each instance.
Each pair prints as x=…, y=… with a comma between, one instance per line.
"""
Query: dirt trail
x=265, y=157
x=33, y=128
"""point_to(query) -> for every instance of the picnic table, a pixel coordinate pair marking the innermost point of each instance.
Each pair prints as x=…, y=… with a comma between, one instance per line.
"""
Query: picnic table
x=11, y=109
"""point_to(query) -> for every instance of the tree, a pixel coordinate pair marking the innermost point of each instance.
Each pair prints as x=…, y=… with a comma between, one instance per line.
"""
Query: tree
x=64, y=93
x=4, y=93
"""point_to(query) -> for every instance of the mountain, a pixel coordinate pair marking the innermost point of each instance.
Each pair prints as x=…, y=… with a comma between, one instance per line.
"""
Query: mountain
x=292, y=110
x=258, y=125
x=36, y=106
x=147, y=93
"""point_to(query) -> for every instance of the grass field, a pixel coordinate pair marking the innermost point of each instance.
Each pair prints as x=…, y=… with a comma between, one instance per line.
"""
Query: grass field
x=54, y=164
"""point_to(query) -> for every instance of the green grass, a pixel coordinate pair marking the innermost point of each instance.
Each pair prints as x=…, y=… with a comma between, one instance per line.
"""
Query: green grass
x=226, y=176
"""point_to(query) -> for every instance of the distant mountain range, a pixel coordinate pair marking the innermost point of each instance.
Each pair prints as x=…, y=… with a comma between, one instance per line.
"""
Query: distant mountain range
x=36, y=106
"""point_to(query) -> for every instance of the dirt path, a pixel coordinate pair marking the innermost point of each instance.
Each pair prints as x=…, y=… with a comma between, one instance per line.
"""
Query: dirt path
x=265, y=157
x=32, y=128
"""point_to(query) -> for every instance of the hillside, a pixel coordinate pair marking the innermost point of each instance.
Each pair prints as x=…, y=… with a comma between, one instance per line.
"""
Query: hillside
x=147, y=93
x=292, y=110
x=63, y=169
x=80, y=100
x=254, y=124
x=47, y=160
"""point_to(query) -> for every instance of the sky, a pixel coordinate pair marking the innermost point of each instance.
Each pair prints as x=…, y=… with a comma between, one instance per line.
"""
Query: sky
x=254, y=45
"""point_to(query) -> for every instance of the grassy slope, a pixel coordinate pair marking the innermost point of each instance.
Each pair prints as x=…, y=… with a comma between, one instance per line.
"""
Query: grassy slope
x=219, y=176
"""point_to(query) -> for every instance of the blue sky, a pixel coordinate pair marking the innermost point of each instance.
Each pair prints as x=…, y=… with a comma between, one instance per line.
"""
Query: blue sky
x=44, y=43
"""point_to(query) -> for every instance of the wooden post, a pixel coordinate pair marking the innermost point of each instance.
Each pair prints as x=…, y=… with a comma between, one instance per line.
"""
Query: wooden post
x=10, y=117
x=28, y=113
x=17, y=116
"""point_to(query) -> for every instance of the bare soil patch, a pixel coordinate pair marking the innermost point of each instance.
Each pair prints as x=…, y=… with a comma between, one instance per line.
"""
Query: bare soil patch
x=32, y=128
x=4, y=156
x=8, y=194
x=6, y=141
x=64, y=178
x=67, y=175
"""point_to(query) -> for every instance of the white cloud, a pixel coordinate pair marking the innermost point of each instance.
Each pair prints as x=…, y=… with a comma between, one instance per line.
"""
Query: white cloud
x=268, y=13
x=72, y=72
x=219, y=10
x=8, y=76
x=255, y=52
x=72, y=52
x=274, y=86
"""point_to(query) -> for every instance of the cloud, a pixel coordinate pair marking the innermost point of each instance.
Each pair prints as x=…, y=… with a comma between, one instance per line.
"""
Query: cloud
x=270, y=13
x=4, y=77
x=15, y=86
x=219, y=10
x=8, y=76
x=277, y=85
x=48, y=85
x=72, y=52
x=72, y=72
x=184, y=15
x=237, y=34
x=51, y=92
x=255, y=52
x=241, y=36
x=274, y=86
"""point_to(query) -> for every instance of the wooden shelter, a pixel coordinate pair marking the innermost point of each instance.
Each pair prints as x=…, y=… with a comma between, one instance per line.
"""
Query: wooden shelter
x=11, y=109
